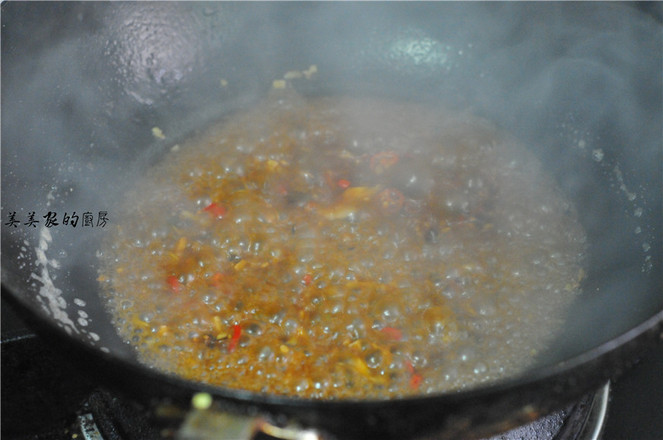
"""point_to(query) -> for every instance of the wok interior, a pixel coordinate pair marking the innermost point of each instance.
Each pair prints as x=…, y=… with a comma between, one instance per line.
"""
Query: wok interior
x=578, y=83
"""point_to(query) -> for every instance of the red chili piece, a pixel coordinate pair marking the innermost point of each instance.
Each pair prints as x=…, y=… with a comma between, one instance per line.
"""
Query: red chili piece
x=393, y=333
x=415, y=381
x=307, y=279
x=409, y=367
x=343, y=183
x=382, y=161
x=237, y=332
x=415, y=378
x=217, y=210
x=174, y=283
x=217, y=279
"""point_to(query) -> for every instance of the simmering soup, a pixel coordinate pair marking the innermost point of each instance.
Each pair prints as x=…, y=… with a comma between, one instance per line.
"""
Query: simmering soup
x=343, y=248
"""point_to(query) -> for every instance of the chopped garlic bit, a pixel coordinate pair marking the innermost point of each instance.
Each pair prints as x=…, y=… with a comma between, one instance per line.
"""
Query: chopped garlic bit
x=224, y=82
x=201, y=401
x=218, y=324
x=157, y=133
x=272, y=164
x=181, y=244
x=279, y=84
x=293, y=74
x=310, y=71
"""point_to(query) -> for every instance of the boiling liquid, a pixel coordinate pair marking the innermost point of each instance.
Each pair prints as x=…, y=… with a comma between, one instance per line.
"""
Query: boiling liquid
x=343, y=248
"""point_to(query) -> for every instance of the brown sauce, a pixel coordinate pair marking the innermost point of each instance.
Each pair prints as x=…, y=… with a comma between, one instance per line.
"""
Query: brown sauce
x=343, y=248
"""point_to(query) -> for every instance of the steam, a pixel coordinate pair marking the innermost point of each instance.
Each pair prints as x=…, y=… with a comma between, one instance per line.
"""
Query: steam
x=580, y=83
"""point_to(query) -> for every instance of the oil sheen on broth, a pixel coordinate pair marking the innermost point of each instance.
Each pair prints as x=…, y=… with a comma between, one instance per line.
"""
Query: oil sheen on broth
x=343, y=248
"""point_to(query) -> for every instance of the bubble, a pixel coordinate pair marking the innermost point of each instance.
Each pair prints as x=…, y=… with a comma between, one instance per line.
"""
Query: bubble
x=391, y=313
x=373, y=359
x=244, y=341
x=419, y=359
x=451, y=374
x=277, y=318
x=290, y=326
x=480, y=368
x=467, y=354
x=302, y=385
x=253, y=329
x=487, y=309
x=320, y=384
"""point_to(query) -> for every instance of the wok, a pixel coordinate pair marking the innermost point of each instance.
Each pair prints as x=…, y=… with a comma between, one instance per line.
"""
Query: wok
x=84, y=84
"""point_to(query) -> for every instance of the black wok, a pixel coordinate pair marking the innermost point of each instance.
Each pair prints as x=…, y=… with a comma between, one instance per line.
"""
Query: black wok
x=84, y=84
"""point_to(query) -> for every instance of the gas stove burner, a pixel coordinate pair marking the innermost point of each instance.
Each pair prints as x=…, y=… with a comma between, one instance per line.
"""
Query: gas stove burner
x=105, y=416
x=110, y=418
x=582, y=421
